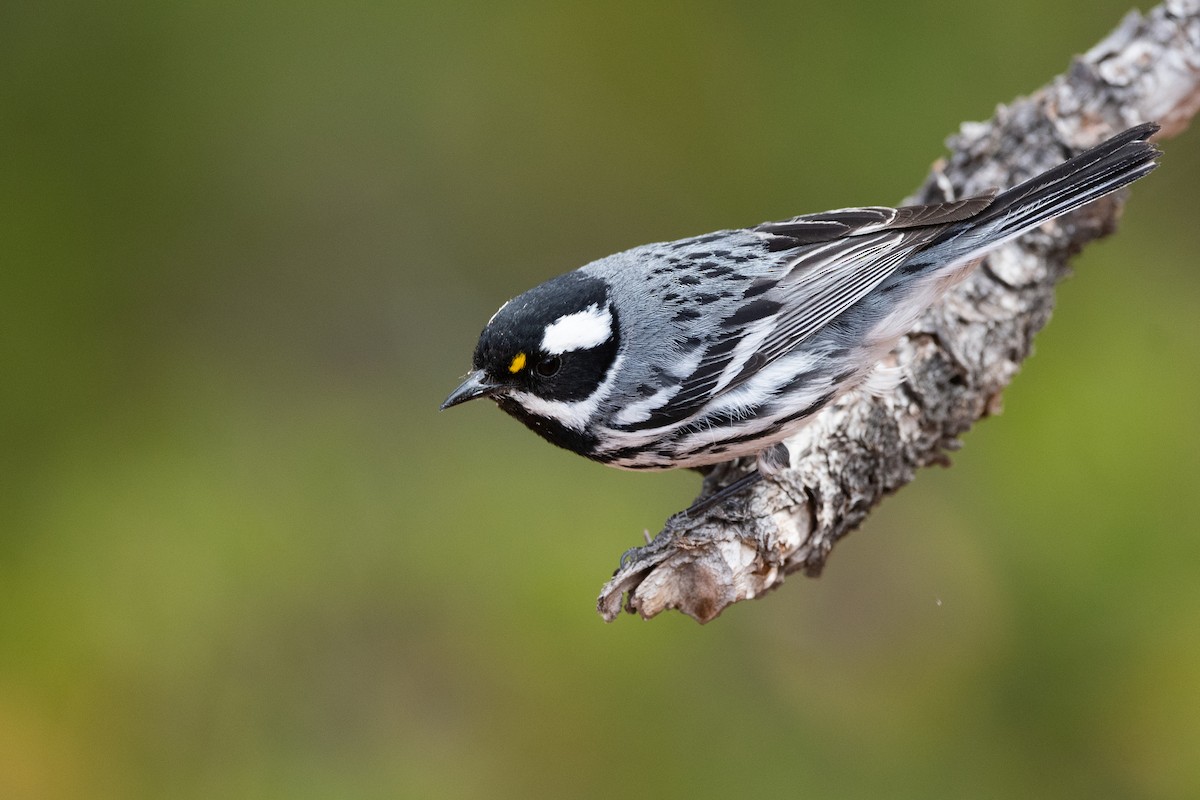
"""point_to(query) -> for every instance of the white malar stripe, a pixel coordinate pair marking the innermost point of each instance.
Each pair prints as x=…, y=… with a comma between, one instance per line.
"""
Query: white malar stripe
x=582, y=330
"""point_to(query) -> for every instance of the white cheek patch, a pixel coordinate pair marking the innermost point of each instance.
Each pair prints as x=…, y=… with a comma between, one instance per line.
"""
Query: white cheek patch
x=582, y=330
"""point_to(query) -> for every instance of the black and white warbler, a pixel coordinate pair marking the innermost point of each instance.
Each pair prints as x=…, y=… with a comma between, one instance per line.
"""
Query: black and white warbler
x=688, y=353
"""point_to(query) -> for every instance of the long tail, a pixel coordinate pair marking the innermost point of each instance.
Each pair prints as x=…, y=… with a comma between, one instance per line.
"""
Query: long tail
x=1088, y=176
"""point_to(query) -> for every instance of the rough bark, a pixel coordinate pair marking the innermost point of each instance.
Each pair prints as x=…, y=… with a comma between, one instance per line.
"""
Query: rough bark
x=958, y=360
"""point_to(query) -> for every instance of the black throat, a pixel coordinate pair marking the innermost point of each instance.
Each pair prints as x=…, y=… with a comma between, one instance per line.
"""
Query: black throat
x=551, y=430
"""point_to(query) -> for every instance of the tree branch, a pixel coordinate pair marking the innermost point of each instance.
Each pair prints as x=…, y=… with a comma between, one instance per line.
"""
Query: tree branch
x=956, y=362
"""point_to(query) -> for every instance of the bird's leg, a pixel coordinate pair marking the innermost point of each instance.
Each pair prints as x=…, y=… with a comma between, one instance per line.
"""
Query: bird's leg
x=738, y=486
x=771, y=462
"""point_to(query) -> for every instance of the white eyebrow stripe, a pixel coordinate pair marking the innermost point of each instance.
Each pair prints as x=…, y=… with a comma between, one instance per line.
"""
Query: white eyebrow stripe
x=582, y=330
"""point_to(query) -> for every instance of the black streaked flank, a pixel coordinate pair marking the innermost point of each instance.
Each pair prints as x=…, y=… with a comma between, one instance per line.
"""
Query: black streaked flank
x=808, y=410
x=799, y=381
x=716, y=420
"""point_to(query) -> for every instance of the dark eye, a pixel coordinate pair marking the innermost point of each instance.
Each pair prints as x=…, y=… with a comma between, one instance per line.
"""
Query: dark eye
x=548, y=367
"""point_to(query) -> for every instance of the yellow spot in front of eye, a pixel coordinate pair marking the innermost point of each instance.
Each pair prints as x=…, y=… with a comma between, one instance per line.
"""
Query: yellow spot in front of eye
x=518, y=363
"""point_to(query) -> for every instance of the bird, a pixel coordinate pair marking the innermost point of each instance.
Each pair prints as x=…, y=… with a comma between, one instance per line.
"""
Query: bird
x=688, y=353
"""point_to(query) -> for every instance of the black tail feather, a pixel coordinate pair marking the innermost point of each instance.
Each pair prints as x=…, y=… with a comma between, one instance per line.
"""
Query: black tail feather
x=1112, y=164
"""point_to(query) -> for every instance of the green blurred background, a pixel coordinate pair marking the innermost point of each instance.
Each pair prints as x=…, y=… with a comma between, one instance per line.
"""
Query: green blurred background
x=247, y=251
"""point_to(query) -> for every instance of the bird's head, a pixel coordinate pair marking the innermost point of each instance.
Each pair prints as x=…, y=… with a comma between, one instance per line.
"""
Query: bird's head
x=550, y=346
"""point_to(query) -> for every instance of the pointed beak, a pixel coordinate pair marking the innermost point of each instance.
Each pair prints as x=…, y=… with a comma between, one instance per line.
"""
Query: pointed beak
x=476, y=385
